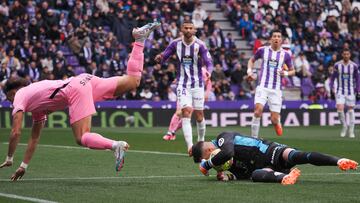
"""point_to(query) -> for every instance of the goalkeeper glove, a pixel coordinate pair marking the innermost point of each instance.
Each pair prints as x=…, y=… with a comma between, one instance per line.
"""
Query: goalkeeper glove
x=205, y=166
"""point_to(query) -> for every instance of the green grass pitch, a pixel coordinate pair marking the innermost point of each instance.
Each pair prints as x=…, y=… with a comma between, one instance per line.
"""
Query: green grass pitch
x=79, y=175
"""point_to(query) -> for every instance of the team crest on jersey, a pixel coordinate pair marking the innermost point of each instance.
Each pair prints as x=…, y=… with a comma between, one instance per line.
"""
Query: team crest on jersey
x=221, y=142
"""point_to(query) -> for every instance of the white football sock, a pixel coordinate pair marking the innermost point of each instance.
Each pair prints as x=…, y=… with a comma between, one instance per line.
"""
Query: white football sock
x=342, y=118
x=187, y=130
x=255, y=126
x=351, y=121
x=201, y=129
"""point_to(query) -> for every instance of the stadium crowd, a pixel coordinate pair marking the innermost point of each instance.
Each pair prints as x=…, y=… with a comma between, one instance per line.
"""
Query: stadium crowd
x=56, y=39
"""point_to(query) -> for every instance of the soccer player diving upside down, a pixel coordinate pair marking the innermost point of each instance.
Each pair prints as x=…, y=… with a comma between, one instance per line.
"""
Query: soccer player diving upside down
x=78, y=94
x=259, y=160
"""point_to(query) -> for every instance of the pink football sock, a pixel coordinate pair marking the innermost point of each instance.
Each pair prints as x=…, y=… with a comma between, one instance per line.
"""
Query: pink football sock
x=96, y=141
x=175, y=123
x=136, y=60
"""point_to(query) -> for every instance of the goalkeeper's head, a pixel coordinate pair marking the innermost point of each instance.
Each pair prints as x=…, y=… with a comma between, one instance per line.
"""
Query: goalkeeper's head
x=202, y=150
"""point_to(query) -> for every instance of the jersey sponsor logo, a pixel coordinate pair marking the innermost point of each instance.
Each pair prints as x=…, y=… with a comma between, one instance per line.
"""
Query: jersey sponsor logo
x=346, y=76
x=187, y=61
x=273, y=64
x=221, y=142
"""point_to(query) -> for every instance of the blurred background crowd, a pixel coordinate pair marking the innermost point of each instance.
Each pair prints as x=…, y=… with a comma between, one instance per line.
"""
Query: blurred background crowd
x=56, y=39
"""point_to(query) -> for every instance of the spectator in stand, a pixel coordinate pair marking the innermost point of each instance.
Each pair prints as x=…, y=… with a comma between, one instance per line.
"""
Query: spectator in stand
x=245, y=27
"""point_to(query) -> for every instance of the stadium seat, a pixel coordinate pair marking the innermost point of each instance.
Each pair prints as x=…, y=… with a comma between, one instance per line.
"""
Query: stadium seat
x=255, y=4
x=79, y=70
x=307, y=87
x=235, y=89
x=356, y=5
x=339, y=5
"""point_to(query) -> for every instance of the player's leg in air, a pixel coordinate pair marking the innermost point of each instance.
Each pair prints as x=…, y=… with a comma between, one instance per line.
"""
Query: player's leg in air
x=82, y=103
x=175, y=125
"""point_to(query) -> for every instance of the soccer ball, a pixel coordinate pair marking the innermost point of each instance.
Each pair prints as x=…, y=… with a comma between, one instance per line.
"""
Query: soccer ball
x=226, y=166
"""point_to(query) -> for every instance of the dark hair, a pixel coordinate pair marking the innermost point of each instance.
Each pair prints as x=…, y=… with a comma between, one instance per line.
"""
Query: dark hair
x=272, y=32
x=346, y=49
x=15, y=83
x=197, y=151
x=187, y=22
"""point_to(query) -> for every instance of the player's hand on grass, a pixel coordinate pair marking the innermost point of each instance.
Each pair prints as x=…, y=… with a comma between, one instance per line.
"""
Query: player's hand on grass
x=203, y=168
x=220, y=176
x=6, y=163
x=19, y=173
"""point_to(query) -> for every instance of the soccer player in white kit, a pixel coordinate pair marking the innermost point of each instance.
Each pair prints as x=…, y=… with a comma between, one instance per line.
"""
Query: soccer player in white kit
x=346, y=76
x=192, y=55
x=276, y=63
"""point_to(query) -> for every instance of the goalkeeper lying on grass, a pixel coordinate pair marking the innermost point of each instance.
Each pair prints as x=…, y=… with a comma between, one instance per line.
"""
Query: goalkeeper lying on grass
x=259, y=160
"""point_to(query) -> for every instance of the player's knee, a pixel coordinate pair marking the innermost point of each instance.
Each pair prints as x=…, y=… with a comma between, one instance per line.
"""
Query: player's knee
x=137, y=82
x=258, y=175
x=178, y=113
x=134, y=82
x=199, y=116
x=199, y=119
x=257, y=113
x=186, y=112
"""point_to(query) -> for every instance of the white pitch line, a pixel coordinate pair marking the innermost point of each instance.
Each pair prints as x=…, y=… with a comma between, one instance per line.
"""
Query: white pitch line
x=84, y=148
x=321, y=174
x=149, y=177
x=105, y=178
x=31, y=199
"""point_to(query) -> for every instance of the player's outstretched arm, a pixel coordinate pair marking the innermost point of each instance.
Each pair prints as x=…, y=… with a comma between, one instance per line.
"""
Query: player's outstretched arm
x=250, y=66
x=31, y=147
x=14, y=138
x=169, y=51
